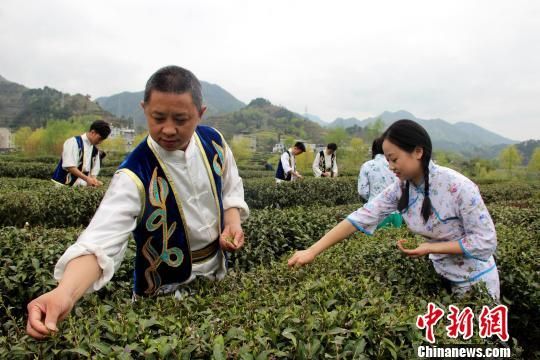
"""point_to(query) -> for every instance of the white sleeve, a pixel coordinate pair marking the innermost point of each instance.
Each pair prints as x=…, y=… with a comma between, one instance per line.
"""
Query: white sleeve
x=334, y=169
x=480, y=241
x=316, y=169
x=233, y=188
x=285, y=162
x=96, y=166
x=70, y=153
x=373, y=212
x=363, y=182
x=107, y=234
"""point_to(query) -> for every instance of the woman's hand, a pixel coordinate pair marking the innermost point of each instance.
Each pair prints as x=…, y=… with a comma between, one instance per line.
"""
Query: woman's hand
x=421, y=250
x=301, y=258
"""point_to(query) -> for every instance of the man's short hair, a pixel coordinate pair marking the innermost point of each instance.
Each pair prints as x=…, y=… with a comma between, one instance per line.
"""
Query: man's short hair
x=102, y=128
x=331, y=146
x=300, y=145
x=174, y=79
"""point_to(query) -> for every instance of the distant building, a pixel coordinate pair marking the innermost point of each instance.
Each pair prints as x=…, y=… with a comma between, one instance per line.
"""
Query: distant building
x=319, y=147
x=6, y=139
x=126, y=133
x=278, y=148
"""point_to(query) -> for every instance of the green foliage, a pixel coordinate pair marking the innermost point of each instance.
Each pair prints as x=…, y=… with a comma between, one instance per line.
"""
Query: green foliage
x=524, y=213
x=272, y=233
x=309, y=191
x=360, y=299
x=116, y=145
x=261, y=116
x=338, y=136
x=36, y=170
x=40, y=170
x=352, y=156
x=256, y=174
x=510, y=158
x=241, y=150
x=304, y=163
x=41, y=203
x=48, y=140
x=517, y=260
x=527, y=148
x=35, y=107
x=374, y=130
x=21, y=158
x=534, y=163
x=509, y=191
x=51, y=206
x=266, y=139
x=20, y=136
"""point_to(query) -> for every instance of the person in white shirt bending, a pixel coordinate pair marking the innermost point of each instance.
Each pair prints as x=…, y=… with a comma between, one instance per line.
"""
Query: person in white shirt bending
x=81, y=161
x=178, y=192
x=325, y=163
x=286, y=170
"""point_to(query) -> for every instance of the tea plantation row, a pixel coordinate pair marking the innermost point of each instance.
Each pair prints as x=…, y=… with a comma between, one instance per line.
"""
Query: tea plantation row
x=38, y=202
x=359, y=300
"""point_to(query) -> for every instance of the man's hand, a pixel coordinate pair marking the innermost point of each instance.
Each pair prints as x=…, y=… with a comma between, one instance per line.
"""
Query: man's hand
x=91, y=181
x=232, y=238
x=301, y=258
x=46, y=311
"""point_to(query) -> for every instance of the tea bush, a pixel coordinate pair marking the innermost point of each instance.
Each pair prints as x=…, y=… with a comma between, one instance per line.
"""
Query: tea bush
x=50, y=206
x=263, y=193
x=39, y=170
x=39, y=202
x=358, y=300
x=25, y=159
x=351, y=299
x=253, y=174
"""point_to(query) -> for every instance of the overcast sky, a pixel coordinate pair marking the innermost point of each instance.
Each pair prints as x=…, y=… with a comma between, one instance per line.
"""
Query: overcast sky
x=474, y=61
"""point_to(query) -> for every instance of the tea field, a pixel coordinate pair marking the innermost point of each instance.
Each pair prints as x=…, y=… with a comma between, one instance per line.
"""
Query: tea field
x=359, y=300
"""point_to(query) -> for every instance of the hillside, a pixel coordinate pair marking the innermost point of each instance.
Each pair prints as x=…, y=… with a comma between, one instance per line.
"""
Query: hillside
x=127, y=104
x=21, y=106
x=463, y=137
x=261, y=116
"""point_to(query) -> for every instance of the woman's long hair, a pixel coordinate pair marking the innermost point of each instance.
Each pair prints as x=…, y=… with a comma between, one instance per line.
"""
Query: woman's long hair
x=407, y=135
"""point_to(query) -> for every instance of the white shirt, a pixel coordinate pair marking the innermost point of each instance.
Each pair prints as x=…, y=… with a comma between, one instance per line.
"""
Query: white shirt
x=289, y=164
x=327, y=164
x=70, y=158
x=107, y=234
x=374, y=177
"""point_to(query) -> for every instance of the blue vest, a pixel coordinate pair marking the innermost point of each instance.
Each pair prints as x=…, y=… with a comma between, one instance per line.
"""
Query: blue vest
x=63, y=176
x=280, y=173
x=163, y=250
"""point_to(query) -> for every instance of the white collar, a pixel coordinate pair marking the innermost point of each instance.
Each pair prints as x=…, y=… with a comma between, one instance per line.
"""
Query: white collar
x=175, y=155
x=85, y=139
x=380, y=157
